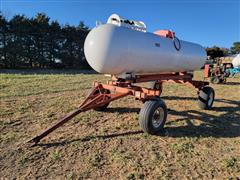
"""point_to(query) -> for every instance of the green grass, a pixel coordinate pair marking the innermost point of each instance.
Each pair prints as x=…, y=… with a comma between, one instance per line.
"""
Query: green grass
x=197, y=144
x=56, y=155
x=23, y=158
x=231, y=162
x=13, y=85
x=96, y=160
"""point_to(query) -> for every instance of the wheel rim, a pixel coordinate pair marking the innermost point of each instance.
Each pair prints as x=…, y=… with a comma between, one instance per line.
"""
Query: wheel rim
x=210, y=100
x=216, y=80
x=158, y=117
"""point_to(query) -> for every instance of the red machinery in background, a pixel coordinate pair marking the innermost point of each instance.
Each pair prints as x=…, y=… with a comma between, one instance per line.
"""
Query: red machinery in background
x=218, y=69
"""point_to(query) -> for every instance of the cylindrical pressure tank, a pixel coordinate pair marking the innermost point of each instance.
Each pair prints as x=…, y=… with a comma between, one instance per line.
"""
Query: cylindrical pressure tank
x=236, y=61
x=113, y=49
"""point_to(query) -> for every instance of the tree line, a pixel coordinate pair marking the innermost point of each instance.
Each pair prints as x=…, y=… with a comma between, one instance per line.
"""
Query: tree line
x=216, y=51
x=40, y=43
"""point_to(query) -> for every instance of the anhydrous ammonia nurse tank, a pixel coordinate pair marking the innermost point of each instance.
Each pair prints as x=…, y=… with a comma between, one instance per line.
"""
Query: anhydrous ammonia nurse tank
x=123, y=46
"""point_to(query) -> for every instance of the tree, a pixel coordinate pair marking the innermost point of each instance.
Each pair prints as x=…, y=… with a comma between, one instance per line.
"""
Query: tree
x=215, y=51
x=82, y=26
x=235, y=48
x=18, y=45
x=41, y=35
x=3, y=40
x=54, y=42
x=68, y=45
x=39, y=42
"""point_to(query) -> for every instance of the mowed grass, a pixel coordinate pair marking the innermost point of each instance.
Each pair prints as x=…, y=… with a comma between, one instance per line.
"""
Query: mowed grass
x=196, y=143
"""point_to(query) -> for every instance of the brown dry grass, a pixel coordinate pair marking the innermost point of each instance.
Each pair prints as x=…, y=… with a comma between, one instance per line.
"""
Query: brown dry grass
x=110, y=145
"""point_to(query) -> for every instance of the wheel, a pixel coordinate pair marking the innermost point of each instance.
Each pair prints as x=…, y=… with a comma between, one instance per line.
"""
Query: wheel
x=211, y=79
x=152, y=116
x=103, y=107
x=224, y=80
x=215, y=80
x=206, y=97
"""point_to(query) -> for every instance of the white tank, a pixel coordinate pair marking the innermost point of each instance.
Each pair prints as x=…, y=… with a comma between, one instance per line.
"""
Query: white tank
x=236, y=61
x=116, y=49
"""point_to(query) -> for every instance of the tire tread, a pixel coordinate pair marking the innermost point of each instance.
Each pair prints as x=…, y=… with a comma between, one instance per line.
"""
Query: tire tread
x=146, y=112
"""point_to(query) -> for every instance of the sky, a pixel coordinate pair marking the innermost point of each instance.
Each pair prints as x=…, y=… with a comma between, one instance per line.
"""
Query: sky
x=206, y=22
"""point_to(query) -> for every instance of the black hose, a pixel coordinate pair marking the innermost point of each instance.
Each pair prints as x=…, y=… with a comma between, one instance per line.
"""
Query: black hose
x=179, y=44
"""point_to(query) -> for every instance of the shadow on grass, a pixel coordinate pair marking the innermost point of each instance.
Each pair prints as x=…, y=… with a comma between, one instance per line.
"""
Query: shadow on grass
x=46, y=71
x=225, y=125
x=231, y=83
x=89, y=138
x=231, y=102
x=122, y=110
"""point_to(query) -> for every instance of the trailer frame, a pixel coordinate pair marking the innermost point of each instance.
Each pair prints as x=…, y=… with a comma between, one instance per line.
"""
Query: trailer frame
x=102, y=94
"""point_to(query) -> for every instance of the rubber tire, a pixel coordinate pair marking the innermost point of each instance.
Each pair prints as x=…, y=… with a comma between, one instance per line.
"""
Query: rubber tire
x=216, y=80
x=146, y=114
x=203, y=97
x=221, y=80
x=211, y=79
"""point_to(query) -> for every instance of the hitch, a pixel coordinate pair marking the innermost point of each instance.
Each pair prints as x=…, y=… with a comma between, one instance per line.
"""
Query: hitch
x=98, y=97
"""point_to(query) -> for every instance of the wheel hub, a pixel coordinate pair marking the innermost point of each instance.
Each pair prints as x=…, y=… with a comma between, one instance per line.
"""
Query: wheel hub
x=158, y=117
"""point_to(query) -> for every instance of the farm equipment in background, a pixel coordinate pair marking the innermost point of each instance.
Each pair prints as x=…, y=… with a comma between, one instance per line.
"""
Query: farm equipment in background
x=233, y=71
x=219, y=69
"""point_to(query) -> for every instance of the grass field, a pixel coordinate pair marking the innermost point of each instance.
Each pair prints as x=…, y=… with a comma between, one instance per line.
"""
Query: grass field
x=110, y=145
